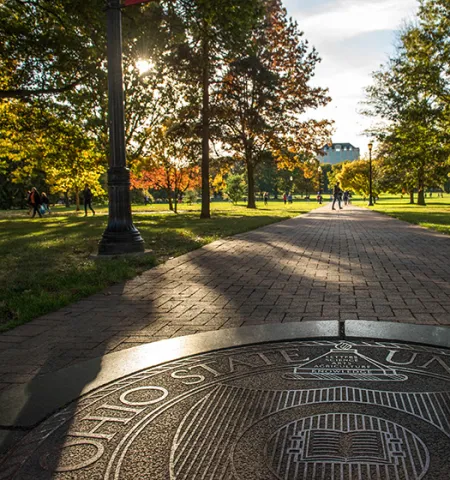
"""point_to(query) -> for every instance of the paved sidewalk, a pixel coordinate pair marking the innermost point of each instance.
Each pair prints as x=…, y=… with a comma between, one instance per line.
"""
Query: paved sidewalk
x=349, y=264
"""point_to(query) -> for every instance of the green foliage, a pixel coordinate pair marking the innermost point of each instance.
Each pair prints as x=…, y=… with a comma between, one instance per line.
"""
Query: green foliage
x=410, y=93
x=333, y=175
x=49, y=47
x=354, y=176
x=190, y=197
x=236, y=187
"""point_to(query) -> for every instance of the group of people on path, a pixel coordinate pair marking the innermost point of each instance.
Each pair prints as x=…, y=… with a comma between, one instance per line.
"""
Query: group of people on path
x=340, y=196
x=39, y=202
x=287, y=198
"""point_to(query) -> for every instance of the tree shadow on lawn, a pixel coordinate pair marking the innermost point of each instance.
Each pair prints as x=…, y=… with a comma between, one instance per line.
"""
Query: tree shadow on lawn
x=48, y=264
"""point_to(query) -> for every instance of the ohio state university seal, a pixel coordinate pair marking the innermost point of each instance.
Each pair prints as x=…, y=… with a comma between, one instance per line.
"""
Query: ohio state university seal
x=286, y=410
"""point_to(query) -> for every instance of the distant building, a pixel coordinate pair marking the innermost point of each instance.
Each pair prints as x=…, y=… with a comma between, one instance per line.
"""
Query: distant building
x=338, y=152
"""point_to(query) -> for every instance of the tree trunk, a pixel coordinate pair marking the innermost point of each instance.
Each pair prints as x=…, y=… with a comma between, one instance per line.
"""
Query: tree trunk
x=77, y=198
x=421, y=190
x=175, y=199
x=206, y=211
x=169, y=197
x=66, y=199
x=411, y=197
x=251, y=186
x=421, y=197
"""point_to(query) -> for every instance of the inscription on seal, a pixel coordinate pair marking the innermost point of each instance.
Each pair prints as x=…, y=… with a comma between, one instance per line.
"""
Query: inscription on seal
x=288, y=410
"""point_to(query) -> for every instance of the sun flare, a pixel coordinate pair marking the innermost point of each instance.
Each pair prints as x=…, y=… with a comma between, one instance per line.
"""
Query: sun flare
x=144, y=65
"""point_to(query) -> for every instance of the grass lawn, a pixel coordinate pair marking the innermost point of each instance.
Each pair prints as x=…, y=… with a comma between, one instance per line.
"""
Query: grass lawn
x=47, y=263
x=435, y=215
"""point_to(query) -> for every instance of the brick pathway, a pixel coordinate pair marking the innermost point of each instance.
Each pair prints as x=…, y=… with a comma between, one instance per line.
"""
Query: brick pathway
x=349, y=264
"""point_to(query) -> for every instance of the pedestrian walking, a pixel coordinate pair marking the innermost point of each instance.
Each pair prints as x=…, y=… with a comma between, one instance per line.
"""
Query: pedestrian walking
x=29, y=204
x=346, y=197
x=337, y=195
x=319, y=198
x=45, y=202
x=266, y=198
x=285, y=198
x=290, y=197
x=35, y=201
x=87, y=197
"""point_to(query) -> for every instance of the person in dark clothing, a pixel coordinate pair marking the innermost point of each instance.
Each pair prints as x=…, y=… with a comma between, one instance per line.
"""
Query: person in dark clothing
x=346, y=197
x=87, y=197
x=29, y=204
x=35, y=201
x=337, y=195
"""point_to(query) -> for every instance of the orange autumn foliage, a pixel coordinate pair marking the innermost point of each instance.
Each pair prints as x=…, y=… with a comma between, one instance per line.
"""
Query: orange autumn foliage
x=175, y=180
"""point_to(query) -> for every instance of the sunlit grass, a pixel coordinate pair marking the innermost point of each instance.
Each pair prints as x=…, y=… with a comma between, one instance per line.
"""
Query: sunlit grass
x=47, y=263
x=435, y=215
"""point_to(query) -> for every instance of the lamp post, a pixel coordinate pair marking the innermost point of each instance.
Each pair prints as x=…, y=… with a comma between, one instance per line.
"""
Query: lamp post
x=120, y=236
x=370, y=145
x=319, y=171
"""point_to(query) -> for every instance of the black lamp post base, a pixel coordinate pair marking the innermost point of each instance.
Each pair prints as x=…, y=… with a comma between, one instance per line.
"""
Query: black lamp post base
x=120, y=243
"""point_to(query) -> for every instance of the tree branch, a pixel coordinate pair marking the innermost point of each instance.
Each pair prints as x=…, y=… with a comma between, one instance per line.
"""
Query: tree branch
x=24, y=93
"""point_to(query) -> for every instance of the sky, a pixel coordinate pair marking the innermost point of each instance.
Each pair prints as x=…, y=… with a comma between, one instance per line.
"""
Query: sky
x=353, y=38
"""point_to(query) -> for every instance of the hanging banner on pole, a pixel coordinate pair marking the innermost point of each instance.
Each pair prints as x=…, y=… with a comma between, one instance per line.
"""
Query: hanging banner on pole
x=135, y=2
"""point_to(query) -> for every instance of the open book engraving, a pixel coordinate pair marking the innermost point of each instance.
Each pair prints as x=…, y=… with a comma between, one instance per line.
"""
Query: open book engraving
x=339, y=445
x=356, y=446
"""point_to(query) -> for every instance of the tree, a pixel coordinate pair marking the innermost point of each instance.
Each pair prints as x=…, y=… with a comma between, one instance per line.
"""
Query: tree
x=265, y=92
x=414, y=134
x=172, y=164
x=333, y=175
x=71, y=163
x=354, y=176
x=207, y=34
x=174, y=177
x=236, y=187
x=63, y=162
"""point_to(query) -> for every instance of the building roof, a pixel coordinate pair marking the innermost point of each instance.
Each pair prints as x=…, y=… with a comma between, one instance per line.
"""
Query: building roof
x=342, y=145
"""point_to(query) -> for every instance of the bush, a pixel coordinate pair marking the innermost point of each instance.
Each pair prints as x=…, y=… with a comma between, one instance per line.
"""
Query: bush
x=191, y=197
x=236, y=187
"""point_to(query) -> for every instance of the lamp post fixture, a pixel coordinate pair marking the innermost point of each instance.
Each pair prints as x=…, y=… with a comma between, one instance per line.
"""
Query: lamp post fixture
x=319, y=171
x=370, y=145
x=120, y=236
